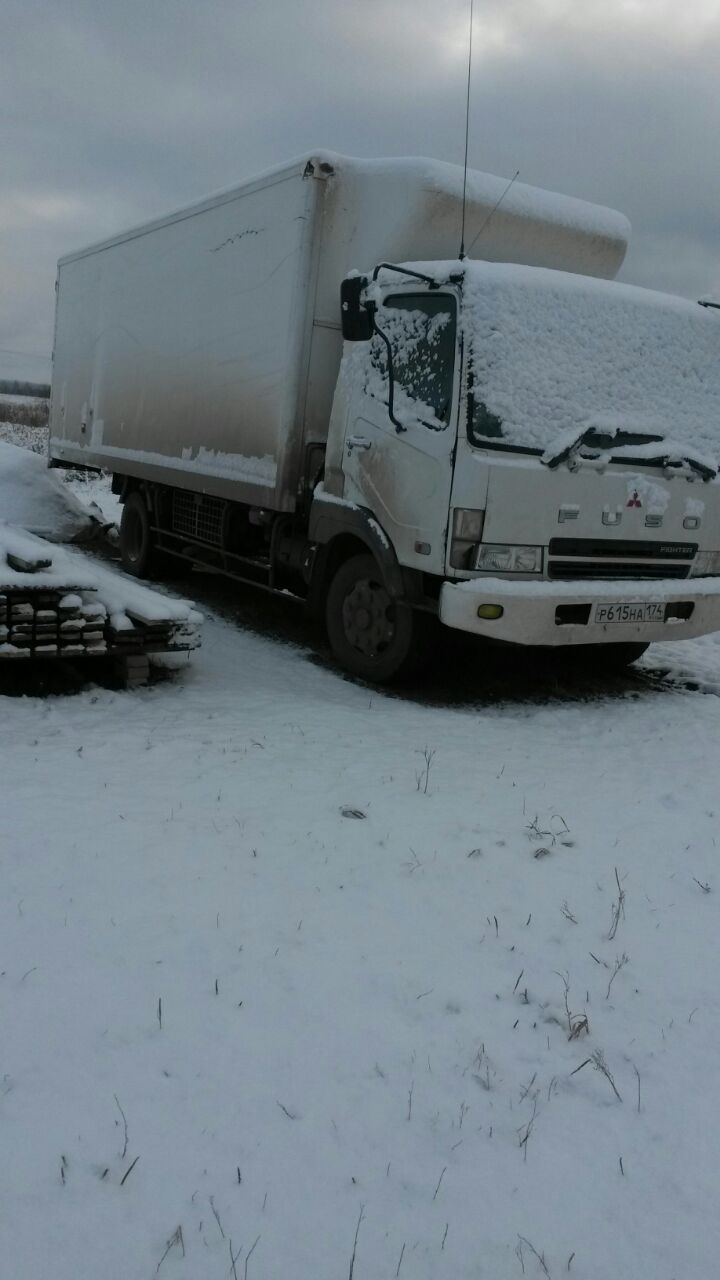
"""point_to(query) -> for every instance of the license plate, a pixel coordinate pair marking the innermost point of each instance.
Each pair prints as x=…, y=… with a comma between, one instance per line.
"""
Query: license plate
x=629, y=611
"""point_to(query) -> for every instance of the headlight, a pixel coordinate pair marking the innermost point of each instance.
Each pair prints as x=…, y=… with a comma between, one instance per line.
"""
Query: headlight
x=706, y=564
x=467, y=532
x=500, y=559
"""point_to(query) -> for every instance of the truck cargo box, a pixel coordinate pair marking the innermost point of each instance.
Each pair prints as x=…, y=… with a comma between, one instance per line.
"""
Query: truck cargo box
x=201, y=350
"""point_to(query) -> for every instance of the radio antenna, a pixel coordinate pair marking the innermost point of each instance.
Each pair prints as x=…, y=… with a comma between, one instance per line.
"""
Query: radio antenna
x=467, y=135
x=494, y=209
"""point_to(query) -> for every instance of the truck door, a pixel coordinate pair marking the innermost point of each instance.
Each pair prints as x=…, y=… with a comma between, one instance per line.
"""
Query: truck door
x=402, y=471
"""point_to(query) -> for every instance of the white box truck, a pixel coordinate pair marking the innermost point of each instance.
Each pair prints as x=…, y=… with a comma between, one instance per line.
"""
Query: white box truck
x=510, y=442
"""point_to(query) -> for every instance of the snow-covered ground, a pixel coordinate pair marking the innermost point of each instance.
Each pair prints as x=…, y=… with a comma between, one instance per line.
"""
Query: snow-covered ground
x=300, y=979
x=33, y=438
x=317, y=970
x=25, y=402
x=89, y=487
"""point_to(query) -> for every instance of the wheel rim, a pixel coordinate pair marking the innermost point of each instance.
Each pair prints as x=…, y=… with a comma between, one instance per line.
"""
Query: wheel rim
x=369, y=618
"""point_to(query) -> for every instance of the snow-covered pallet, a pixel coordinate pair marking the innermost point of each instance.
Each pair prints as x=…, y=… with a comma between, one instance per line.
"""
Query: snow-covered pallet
x=56, y=603
x=42, y=624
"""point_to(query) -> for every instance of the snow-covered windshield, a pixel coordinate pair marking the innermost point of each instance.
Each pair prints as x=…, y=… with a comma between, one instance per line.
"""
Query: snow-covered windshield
x=554, y=355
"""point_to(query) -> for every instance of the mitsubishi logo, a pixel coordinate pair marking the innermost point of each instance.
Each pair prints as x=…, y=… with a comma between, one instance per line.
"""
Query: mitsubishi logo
x=634, y=501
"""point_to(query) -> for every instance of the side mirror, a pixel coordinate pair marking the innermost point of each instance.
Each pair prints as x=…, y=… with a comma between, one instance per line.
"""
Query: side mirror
x=356, y=320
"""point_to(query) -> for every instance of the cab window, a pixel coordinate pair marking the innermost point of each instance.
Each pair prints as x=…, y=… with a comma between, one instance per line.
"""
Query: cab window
x=421, y=328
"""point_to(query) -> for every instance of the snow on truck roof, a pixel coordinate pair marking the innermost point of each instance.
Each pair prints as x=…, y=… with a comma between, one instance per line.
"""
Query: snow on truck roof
x=415, y=202
x=554, y=354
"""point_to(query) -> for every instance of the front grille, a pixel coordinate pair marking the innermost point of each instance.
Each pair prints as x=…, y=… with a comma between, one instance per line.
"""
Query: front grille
x=619, y=558
x=618, y=549
x=604, y=569
x=196, y=516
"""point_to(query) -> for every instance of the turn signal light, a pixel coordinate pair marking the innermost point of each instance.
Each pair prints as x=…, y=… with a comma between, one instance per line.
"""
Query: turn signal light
x=467, y=532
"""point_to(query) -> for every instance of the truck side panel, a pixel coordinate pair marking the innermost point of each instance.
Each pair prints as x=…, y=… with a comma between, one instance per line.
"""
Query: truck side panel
x=179, y=350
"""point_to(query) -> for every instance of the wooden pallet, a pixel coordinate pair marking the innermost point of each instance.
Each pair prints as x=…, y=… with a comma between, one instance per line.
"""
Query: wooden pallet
x=43, y=623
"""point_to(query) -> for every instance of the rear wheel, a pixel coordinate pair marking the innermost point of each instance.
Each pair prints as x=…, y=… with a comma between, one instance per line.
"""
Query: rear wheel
x=136, y=538
x=372, y=634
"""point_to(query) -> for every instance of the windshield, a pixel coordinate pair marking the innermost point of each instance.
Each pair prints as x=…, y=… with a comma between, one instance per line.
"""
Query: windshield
x=556, y=355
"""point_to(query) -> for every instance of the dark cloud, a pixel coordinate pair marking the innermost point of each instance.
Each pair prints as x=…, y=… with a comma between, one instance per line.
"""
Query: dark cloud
x=113, y=113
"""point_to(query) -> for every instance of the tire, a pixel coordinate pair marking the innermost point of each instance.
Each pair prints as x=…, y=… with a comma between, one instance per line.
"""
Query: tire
x=136, y=539
x=607, y=658
x=371, y=634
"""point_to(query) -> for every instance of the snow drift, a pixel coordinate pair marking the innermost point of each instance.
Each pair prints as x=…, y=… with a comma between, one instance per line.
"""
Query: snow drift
x=35, y=498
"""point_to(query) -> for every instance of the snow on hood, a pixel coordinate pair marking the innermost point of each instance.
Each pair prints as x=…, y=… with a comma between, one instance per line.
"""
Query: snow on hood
x=34, y=498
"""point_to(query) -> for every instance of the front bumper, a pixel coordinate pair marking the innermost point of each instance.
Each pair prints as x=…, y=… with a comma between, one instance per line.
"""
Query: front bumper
x=537, y=613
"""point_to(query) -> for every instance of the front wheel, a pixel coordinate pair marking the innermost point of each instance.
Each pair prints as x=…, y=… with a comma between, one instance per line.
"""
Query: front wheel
x=372, y=634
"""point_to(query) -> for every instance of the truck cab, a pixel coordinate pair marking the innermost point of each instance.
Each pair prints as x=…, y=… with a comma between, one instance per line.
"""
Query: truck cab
x=537, y=451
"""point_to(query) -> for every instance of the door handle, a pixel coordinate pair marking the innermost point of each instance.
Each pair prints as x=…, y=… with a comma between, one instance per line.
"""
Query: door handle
x=358, y=442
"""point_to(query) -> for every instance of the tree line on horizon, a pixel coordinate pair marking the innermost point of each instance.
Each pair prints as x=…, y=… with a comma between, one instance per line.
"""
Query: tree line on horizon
x=14, y=387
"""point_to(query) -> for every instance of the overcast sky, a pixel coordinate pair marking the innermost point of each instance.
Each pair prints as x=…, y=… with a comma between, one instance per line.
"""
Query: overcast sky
x=113, y=111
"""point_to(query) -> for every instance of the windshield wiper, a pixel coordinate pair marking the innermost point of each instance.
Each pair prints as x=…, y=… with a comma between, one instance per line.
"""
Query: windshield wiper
x=602, y=442
x=595, y=438
x=680, y=460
